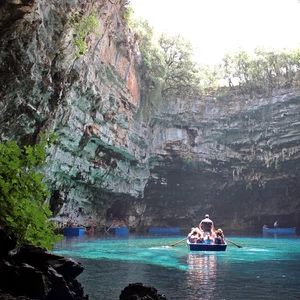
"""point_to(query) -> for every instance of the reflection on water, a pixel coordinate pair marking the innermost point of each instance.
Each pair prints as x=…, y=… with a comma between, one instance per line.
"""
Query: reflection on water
x=202, y=275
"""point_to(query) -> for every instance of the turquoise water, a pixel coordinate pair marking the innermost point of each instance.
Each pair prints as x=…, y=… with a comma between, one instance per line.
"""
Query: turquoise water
x=266, y=267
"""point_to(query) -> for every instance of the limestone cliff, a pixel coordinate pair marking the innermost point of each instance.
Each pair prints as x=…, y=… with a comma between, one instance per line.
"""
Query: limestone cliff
x=90, y=102
x=237, y=160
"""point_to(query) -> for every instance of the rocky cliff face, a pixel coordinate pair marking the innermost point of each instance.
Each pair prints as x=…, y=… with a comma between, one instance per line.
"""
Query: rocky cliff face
x=89, y=102
x=237, y=160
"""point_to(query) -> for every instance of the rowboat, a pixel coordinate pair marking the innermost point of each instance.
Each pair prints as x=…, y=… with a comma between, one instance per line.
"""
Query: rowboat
x=206, y=247
x=291, y=230
x=120, y=231
x=74, y=231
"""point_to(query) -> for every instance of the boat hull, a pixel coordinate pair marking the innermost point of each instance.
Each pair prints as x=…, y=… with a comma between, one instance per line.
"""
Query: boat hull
x=291, y=230
x=74, y=231
x=206, y=247
x=121, y=231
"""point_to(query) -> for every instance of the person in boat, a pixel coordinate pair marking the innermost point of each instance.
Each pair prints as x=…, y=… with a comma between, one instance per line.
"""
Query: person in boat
x=194, y=235
x=276, y=224
x=114, y=224
x=207, y=225
x=265, y=227
x=90, y=230
x=122, y=223
x=208, y=239
x=219, y=239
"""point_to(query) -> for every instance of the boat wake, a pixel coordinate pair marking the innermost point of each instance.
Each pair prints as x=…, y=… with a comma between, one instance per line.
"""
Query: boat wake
x=160, y=247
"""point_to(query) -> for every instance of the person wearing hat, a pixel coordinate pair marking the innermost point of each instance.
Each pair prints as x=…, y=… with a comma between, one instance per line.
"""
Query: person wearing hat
x=207, y=225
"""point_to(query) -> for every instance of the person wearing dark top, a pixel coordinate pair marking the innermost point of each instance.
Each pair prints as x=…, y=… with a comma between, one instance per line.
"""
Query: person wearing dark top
x=219, y=239
x=206, y=225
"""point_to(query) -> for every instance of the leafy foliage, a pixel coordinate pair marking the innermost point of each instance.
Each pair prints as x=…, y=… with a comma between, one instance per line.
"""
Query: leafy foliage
x=182, y=73
x=83, y=26
x=260, y=73
x=152, y=69
x=23, y=210
x=167, y=68
x=126, y=11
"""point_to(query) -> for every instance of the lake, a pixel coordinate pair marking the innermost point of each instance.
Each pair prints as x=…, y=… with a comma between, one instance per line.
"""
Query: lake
x=266, y=267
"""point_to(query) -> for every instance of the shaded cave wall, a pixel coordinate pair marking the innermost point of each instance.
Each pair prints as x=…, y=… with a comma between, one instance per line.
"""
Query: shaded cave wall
x=237, y=160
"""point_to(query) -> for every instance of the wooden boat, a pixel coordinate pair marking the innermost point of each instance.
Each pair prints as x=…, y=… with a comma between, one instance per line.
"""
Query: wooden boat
x=120, y=231
x=291, y=230
x=206, y=247
x=74, y=231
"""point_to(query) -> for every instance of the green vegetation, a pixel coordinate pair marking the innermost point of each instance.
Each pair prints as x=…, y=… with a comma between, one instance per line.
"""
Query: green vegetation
x=152, y=69
x=23, y=210
x=260, y=73
x=83, y=26
x=182, y=73
x=167, y=70
x=126, y=11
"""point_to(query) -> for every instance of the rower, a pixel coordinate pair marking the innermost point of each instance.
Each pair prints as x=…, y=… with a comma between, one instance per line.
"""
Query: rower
x=206, y=225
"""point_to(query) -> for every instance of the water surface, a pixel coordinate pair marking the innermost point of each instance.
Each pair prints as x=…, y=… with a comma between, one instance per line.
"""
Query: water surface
x=266, y=267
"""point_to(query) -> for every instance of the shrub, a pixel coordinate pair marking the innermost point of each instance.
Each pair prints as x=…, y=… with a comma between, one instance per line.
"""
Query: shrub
x=23, y=210
x=83, y=26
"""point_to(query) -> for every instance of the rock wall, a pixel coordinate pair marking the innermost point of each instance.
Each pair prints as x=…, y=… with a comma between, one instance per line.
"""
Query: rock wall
x=90, y=102
x=237, y=160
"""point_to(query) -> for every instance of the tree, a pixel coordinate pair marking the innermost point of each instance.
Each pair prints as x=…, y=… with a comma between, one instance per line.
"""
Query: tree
x=23, y=210
x=182, y=73
x=152, y=69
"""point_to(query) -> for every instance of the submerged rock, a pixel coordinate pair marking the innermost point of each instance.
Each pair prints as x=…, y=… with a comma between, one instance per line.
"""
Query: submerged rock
x=138, y=291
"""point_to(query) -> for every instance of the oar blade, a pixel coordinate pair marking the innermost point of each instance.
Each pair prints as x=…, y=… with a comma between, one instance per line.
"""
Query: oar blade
x=239, y=246
x=172, y=245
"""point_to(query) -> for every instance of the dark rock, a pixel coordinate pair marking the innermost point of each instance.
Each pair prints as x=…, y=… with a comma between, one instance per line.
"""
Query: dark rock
x=23, y=280
x=35, y=273
x=40, y=258
x=4, y=296
x=60, y=289
x=7, y=242
x=138, y=291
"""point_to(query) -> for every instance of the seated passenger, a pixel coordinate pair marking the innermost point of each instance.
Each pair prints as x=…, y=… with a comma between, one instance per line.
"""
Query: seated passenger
x=90, y=230
x=265, y=227
x=114, y=224
x=122, y=223
x=194, y=235
x=208, y=239
x=219, y=239
x=200, y=240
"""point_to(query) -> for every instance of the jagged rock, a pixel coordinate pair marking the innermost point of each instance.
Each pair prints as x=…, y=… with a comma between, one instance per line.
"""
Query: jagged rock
x=24, y=280
x=4, y=296
x=40, y=258
x=138, y=291
x=37, y=273
x=7, y=242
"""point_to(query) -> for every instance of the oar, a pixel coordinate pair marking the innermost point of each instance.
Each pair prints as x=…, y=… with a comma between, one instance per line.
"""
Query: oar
x=108, y=228
x=233, y=243
x=172, y=245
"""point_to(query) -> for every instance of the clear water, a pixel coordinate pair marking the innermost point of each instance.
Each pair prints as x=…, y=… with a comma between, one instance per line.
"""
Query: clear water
x=266, y=267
